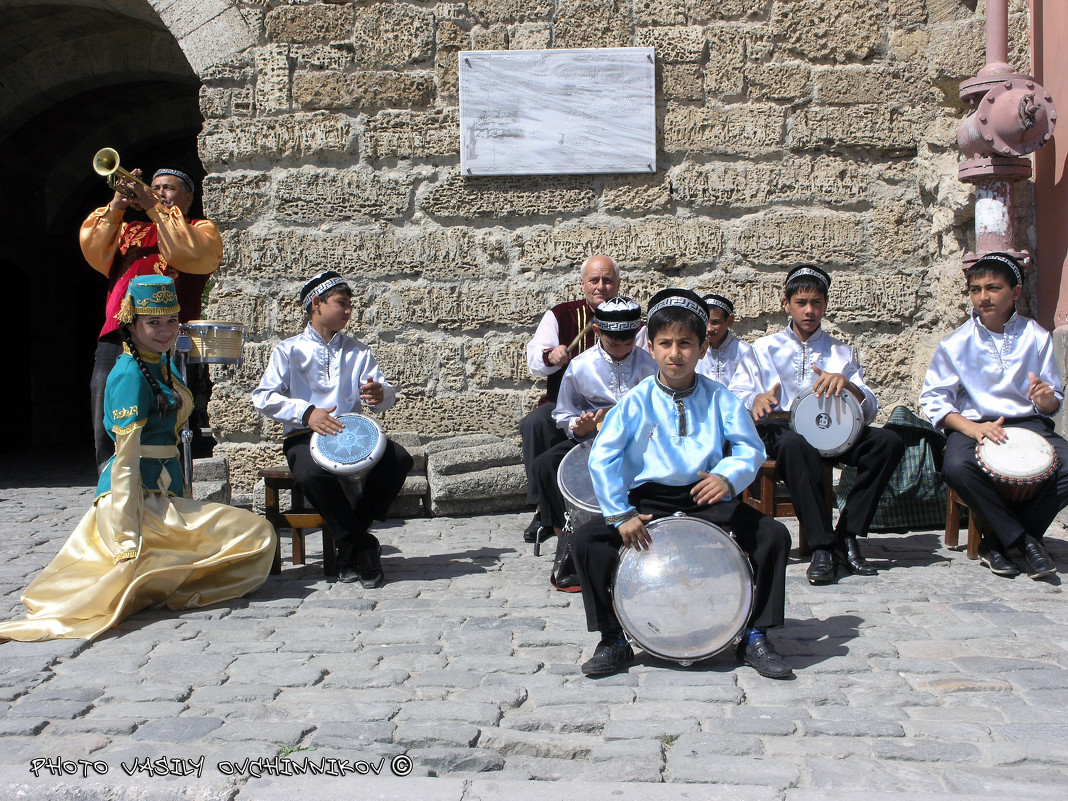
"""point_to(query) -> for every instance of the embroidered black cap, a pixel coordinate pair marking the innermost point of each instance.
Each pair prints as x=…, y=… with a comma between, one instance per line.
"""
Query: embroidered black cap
x=618, y=315
x=683, y=298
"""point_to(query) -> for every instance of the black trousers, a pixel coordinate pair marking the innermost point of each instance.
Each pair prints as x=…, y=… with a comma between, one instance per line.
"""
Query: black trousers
x=539, y=433
x=1008, y=522
x=595, y=548
x=325, y=491
x=800, y=466
x=107, y=353
x=549, y=498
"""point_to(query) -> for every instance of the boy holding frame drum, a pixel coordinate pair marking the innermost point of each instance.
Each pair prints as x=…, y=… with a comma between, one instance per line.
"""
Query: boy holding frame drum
x=310, y=378
x=781, y=368
x=663, y=449
x=592, y=384
x=994, y=377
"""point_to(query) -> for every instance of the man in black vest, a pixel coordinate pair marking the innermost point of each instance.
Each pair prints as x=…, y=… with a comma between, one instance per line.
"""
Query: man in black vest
x=564, y=331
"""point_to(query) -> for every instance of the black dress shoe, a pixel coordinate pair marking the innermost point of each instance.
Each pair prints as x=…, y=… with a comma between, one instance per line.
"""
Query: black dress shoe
x=1039, y=563
x=347, y=574
x=346, y=563
x=369, y=568
x=762, y=658
x=610, y=657
x=822, y=569
x=999, y=563
x=530, y=534
x=854, y=560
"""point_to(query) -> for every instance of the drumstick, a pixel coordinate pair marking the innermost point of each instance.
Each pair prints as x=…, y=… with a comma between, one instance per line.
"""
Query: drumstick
x=581, y=334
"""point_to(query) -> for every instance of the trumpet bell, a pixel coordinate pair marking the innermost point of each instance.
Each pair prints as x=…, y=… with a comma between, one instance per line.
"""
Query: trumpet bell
x=106, y=161
x=106, y=164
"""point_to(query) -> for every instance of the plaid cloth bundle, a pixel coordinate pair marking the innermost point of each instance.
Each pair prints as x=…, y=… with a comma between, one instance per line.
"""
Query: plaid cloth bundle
x=916, y=496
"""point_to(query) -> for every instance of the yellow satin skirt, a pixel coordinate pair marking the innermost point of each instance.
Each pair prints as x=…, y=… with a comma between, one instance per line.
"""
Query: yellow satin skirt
x=192, y=554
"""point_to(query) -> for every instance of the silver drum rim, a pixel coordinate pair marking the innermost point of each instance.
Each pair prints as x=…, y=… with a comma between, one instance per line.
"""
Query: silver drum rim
x=689, y=601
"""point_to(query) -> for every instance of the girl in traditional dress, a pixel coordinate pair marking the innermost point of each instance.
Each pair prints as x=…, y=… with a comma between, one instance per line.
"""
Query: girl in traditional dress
x=144, y=543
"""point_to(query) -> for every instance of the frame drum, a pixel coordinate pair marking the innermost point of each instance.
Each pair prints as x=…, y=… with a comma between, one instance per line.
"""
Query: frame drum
x=689, y=596
x=352, y=452
x=214, y=343
x=1020, y=465
x=831, y=424
x=576, y=485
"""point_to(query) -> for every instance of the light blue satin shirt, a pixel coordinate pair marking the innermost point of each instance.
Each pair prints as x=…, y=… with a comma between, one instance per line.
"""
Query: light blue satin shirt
x=656, y=435
x=306, y=371
x=594, y=380
x=983, y=376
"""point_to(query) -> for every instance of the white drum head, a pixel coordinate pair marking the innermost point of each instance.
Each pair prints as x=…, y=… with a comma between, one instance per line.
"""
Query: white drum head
x=574, y=479
x=1023, y=455
x=831, y=424
x=689, y=596
x=353, y=451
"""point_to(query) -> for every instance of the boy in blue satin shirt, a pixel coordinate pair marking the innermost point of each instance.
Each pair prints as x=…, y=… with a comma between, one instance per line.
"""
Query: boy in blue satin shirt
x=664, y=449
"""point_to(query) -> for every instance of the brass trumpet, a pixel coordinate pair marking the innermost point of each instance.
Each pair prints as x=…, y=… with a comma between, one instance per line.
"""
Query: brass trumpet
x=106, y=163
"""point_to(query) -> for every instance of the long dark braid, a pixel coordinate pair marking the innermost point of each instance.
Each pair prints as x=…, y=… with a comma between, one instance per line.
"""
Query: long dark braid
x=162, y=405
x=168, y=376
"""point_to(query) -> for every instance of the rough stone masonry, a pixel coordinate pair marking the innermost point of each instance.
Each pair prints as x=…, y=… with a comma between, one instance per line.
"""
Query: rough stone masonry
x=787, y=130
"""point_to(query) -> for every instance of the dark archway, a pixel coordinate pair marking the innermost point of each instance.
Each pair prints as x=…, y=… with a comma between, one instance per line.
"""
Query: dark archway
x=73, y=78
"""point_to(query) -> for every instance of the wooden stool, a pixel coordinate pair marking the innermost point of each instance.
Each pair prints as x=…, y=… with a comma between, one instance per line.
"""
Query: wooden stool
x=761, y=496
x=296, y=519
x=975, y=524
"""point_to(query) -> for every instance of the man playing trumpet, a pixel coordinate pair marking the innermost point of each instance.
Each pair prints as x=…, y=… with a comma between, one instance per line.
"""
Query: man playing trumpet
x=170, y=244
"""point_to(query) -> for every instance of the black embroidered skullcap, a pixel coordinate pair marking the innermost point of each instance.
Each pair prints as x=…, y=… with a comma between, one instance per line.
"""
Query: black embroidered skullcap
x=712, y=299
x=1003, y=260
x=618, y=315
x=811, y=271
x=682, y=298
x=321, y=283
x=181, y=175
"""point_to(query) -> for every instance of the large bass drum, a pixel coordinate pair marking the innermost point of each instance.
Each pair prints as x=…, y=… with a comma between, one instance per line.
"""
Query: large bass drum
x=214, y=342
x=689, y=595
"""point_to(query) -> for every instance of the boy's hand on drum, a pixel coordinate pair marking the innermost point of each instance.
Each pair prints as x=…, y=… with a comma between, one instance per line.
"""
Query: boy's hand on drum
x=1041, y=395
x=635, y=534
x=587, y=422
x=766, y=402
x=828, y=383
x=833, y=384
x=709, y=489
x=372, y=393
x=991, y=430
x=322, y=422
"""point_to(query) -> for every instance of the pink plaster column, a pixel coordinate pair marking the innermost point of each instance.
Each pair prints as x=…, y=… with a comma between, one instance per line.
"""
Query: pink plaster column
x=1049, y=63
x=1014, y=116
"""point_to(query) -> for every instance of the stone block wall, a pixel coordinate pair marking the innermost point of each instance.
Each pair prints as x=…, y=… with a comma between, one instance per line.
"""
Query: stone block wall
x=787, y=130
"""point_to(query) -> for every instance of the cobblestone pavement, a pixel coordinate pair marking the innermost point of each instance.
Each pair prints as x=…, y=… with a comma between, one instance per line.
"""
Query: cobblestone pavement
x=933, y=680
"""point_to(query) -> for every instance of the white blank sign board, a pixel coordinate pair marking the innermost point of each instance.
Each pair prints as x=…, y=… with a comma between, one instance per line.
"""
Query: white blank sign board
x=537, y=112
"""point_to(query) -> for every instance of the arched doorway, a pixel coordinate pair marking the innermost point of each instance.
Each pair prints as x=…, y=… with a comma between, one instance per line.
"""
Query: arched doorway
x=73, y=78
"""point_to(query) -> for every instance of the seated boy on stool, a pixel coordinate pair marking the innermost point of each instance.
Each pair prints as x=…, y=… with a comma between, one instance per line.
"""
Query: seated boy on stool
x=725, y=350
x=593, y=383
x=996, y=372
x=772, y=376
x=311, y=376
x=663, y=449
